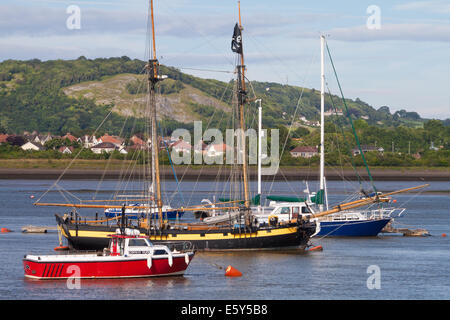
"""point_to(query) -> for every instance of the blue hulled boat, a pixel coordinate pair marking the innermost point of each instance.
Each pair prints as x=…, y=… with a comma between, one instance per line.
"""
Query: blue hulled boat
x=352, y=228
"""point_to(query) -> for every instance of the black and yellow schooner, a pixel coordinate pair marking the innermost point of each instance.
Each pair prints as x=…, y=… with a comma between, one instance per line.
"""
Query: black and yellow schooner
x=238, y=233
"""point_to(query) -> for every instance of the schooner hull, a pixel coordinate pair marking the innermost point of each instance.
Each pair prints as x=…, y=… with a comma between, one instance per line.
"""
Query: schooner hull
x=95, y=237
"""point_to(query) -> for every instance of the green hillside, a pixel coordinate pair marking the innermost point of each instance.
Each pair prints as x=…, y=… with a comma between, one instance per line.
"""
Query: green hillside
x=76, y=96
x=60, y=96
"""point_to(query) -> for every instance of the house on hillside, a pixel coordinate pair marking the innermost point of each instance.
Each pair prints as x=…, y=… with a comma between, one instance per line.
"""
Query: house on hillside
x=332, y=112
x=104, y=147
x=367, y=148
x=136, y=141
x=66, y=150
x=42, y=139
x=88, y=141
x=304, y=152
x=181, y=146
x=116, y=140
x=32, y=146
x=70, y=137
x=108, y=147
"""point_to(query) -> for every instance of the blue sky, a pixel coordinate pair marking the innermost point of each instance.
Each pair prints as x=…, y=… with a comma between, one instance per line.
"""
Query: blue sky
x=405, y=64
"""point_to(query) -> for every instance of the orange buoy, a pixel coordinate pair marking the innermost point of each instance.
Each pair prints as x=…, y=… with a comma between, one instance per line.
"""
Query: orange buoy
x=444, y=234
x=61, y=248
x=394, y=201
x=232, y=272
x=4, y=230
x=316, y=248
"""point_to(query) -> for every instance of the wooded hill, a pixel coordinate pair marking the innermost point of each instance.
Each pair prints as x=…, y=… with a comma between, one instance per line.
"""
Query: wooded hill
x=60, y=96
x=43, y=96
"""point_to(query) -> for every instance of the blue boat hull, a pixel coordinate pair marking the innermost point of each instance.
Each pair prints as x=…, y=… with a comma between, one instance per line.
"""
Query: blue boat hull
x=171, y=215
x=364, y=228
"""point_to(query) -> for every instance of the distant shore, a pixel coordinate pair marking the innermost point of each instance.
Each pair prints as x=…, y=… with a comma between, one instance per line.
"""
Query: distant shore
x=206, y=173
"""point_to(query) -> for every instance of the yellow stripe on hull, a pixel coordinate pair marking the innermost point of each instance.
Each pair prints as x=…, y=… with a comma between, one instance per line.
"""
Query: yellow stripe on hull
x=195, y=236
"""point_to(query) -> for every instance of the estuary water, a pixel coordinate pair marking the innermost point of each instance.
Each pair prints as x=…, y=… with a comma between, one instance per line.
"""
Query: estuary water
x=406, y=267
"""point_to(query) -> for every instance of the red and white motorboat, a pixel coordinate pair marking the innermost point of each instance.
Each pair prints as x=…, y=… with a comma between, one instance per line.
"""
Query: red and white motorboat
x=129, y=255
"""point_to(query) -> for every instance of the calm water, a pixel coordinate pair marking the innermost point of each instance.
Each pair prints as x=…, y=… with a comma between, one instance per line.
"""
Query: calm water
x=411, y=268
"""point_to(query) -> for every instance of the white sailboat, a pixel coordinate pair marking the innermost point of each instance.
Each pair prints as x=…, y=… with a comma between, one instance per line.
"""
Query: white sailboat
x=342, y=222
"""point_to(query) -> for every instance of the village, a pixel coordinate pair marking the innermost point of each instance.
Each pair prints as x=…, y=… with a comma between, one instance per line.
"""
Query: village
x=106, y=144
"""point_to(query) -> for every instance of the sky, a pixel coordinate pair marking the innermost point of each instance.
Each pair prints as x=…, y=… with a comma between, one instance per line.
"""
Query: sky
x=386, y=53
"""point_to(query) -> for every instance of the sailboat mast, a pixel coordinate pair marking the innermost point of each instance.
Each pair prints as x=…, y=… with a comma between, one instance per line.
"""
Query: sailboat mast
x=241, y=102
x=259, y=152
x=322, y=116
x=152, y=69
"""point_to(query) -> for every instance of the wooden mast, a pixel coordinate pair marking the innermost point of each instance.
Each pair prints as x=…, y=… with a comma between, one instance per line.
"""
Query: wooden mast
x=152, y=69
x=241, y=102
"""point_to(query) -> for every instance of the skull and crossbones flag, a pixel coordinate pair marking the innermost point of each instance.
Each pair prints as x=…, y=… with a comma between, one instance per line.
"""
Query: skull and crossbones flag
x=236, y=42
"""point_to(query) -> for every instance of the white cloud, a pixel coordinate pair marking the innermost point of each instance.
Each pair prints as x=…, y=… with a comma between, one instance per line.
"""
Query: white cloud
x=409, y=32
x=430, y=6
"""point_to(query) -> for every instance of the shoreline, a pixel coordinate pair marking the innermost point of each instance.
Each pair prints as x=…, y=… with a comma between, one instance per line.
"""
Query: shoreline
x=212, y=173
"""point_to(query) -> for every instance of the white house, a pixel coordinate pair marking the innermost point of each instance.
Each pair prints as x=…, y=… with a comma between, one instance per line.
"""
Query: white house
x=88, y=141
x=66, y=150
x=304, y=152
x=33, y=146
x=41, y=139
x=104, y=147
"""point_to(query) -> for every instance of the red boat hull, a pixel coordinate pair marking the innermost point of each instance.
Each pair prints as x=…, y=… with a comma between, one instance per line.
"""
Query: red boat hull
x=109, y=268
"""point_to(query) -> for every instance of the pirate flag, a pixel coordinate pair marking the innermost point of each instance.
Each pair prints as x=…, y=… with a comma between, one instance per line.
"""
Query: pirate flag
x=236, y=42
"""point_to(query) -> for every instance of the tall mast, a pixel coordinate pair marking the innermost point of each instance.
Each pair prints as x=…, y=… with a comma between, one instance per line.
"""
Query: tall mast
x=259, y=151
x=322, y=117
x=152, y=70
x=241, y=102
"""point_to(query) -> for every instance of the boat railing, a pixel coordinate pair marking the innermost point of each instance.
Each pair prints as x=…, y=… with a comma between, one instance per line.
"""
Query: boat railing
x=368, y=214
x=381, y=213
x=185, y=246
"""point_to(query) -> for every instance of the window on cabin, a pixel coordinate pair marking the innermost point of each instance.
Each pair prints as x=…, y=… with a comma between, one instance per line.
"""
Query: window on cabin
x=137, y=243
x=285, y=210
x=305, y=210
x=295, y=210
